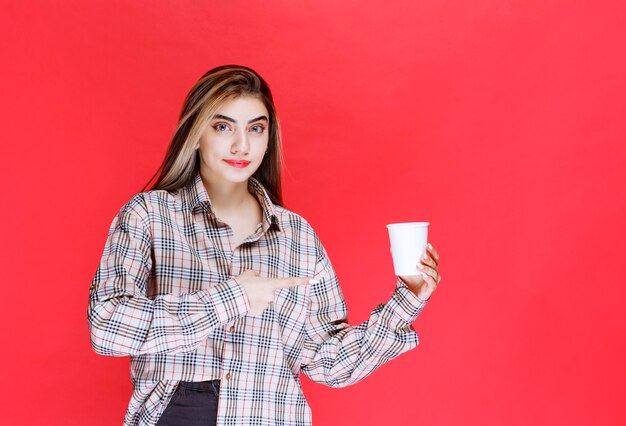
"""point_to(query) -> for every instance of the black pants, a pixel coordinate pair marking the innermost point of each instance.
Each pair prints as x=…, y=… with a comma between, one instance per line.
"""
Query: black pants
x=193, y=403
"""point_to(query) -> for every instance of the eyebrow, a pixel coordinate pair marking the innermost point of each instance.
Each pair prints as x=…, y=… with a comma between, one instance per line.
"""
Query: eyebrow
x=223, y=117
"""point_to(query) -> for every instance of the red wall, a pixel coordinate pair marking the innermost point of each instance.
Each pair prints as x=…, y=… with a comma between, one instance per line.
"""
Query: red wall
x=501, y=123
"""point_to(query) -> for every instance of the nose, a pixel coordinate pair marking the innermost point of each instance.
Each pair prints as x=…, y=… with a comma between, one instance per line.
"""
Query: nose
x=240, y=142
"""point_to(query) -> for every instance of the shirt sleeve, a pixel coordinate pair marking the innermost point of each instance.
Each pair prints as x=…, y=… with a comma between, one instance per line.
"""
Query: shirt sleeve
x=338, y=354
x=124, y=321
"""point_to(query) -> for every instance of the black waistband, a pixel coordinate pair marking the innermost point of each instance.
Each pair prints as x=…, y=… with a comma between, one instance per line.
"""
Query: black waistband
x=206, y=385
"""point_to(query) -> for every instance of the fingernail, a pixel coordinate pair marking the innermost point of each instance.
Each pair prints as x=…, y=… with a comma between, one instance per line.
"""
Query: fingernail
x=424, y=274
x=420, y=266
x=430, y=246
x=312, y=281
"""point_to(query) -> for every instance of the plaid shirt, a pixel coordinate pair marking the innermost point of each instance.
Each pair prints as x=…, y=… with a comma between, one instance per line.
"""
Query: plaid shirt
x=166, y=294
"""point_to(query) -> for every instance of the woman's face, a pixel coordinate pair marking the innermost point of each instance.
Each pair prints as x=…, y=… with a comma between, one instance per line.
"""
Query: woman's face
x=234, y=143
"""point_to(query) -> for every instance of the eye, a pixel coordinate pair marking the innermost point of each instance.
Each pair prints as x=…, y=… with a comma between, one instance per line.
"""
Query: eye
x=221, y=127
x=258, y=129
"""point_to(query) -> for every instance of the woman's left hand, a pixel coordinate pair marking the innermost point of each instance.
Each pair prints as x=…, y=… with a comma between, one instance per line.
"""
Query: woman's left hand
x=424, y=285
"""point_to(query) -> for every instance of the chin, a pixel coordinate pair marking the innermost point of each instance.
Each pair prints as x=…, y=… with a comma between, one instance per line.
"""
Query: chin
x=240, y=176
x=239, y=179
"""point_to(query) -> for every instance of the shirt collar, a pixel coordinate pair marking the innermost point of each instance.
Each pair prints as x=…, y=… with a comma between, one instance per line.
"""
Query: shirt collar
x=194, y=196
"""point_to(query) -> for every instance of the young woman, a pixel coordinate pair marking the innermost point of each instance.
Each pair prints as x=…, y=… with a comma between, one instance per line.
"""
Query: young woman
x=219, y=294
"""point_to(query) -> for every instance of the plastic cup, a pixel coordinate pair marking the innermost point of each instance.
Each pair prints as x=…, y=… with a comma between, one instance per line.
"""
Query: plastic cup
x=408, y=244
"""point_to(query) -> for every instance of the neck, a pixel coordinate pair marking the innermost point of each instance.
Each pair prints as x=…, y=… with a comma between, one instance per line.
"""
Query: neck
x=227, y=196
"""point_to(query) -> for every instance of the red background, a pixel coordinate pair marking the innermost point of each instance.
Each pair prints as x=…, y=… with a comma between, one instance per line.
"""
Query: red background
x=501, y=123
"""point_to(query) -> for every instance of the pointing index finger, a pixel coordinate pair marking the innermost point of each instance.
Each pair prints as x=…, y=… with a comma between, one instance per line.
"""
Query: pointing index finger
x=294, y=282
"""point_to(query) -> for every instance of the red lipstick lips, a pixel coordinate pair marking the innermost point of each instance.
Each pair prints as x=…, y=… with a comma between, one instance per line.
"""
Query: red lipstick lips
x=238, y=163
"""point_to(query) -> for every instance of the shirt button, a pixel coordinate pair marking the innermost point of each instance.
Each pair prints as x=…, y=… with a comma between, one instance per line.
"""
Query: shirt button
x=232, y=328
x=227, y=376
x=397, y=296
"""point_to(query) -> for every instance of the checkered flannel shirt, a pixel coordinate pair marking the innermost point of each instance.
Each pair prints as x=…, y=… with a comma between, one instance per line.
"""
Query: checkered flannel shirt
x=165, y=293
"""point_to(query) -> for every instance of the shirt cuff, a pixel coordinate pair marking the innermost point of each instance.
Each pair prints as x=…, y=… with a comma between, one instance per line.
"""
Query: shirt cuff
x=227, y=300
x=405, y=304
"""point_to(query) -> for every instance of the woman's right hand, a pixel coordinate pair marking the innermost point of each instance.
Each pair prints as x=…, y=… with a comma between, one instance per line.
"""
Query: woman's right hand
x=260, y=290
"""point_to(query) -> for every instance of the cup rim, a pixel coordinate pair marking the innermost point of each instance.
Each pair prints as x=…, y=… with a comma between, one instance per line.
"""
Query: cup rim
x=408, y=225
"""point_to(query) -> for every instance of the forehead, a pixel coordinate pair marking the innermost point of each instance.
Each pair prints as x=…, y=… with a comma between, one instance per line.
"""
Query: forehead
x=244, y=107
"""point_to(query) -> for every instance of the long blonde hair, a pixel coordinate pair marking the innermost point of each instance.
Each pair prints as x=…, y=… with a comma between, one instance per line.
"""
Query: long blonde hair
x=182, y=160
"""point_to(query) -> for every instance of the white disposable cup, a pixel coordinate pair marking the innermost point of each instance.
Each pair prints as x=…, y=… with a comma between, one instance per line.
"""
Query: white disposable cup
x=408, y=244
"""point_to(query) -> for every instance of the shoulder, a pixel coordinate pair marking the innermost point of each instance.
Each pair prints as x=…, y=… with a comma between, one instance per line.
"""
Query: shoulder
x=297, y=227
x=290, y=219
x=142, y=204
